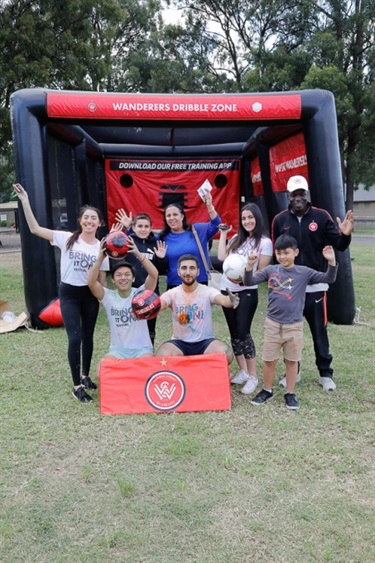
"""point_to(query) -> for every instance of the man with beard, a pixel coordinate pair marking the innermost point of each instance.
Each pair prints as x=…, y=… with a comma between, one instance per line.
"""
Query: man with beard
x=313, y=228
x=190, y=304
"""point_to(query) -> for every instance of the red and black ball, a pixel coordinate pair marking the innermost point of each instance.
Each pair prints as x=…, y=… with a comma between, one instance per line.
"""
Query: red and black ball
x=116, y=244
x=146, y=304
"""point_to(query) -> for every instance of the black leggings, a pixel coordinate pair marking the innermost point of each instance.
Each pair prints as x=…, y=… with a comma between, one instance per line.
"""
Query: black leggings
x=79, y=309
x=239, y=323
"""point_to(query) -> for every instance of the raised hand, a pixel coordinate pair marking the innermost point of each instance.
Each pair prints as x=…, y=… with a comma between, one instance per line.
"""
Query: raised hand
x=102, y=249
x=21, y=192
x=122, y=217
x=161, y=249
x=133, y=249
x=224, y=228
x=329, y=255
x=251, y=260
x=346, y=226
x=208, y=199
x=117, y=227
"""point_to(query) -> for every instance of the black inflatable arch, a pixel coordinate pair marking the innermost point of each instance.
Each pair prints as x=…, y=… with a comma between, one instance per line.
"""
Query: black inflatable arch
x=66, y=142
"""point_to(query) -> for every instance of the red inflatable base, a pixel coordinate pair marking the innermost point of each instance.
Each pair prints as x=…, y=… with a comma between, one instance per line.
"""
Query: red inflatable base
x=52, y=314
x=164, y=384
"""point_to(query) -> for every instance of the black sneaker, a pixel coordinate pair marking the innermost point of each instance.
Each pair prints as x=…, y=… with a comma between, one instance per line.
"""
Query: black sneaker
x=87, y=383
x=262, y=397
x=291, y=401
x=81, y=395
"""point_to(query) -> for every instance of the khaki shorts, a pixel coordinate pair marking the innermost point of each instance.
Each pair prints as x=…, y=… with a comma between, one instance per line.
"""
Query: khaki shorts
x=288, y=337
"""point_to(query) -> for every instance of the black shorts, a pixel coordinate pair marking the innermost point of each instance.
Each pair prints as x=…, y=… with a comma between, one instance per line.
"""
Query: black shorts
x=192, y=348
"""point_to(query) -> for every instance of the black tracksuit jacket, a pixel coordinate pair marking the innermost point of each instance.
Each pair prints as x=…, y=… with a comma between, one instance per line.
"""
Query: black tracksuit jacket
x=313, y=232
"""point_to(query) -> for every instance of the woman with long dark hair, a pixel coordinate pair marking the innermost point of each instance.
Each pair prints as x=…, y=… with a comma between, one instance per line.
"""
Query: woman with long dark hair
x=249, y=239
x=178, y=236
x=79, y=308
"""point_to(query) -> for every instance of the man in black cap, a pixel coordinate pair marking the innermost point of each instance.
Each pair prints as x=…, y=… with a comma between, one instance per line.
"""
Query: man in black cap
x=313, y=228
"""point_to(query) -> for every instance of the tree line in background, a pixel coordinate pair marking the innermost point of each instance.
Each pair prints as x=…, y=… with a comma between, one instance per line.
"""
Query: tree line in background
x=213, y=46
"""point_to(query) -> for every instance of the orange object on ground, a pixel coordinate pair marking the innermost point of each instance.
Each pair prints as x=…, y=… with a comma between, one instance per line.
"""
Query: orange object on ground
x=164, y=384
x=52, y=314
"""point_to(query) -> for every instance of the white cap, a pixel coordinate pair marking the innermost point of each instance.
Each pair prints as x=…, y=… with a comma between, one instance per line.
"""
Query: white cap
x=297, y=183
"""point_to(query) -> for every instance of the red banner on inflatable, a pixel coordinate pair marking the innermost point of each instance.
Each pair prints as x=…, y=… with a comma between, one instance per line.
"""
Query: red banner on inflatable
x=169, y=384
x=256, y=176
x=287, y=159
x=102, y=105
x=149, y=185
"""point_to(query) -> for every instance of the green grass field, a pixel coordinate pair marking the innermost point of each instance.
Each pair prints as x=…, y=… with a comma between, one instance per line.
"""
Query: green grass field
x=250, y=484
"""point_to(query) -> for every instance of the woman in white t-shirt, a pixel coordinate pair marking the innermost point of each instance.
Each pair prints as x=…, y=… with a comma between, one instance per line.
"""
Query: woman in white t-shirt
x=249, y=239
x=79, y=308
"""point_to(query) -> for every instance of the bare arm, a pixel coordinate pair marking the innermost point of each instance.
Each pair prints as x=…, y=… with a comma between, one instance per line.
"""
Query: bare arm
x=230, y=301
x=164, y=304
x=210, y=206
x=222, y=251
x=152, y=278
x=96, y=287
x=103, y=278
x=33, y=224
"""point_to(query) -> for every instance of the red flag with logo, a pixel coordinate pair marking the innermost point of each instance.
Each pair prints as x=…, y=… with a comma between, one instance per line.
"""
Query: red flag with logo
x=256, y=176
x=164, y=384
x=287, y=159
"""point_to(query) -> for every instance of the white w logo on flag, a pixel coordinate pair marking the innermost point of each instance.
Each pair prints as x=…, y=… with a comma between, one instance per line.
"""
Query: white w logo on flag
x=164, y=391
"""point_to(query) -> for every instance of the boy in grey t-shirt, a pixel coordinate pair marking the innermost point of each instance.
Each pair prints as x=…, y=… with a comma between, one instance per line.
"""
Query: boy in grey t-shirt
x=284, y=322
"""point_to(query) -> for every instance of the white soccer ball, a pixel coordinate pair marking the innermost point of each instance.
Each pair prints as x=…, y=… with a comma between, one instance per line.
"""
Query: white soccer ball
x=234, y=266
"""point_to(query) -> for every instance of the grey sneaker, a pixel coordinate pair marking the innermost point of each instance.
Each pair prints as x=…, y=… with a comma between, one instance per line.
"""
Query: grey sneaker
x=250, y=385
x=327, y=383
x=240, y=378
x=282, y=381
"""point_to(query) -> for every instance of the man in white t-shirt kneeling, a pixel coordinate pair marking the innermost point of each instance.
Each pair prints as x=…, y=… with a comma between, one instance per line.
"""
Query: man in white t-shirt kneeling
x=190, y=304
x=130, y=337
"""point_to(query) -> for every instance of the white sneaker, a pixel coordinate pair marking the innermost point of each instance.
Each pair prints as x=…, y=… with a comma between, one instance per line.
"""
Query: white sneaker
x=240, y=378
x=327, y=383
x=282, y=381
x=250, y=385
